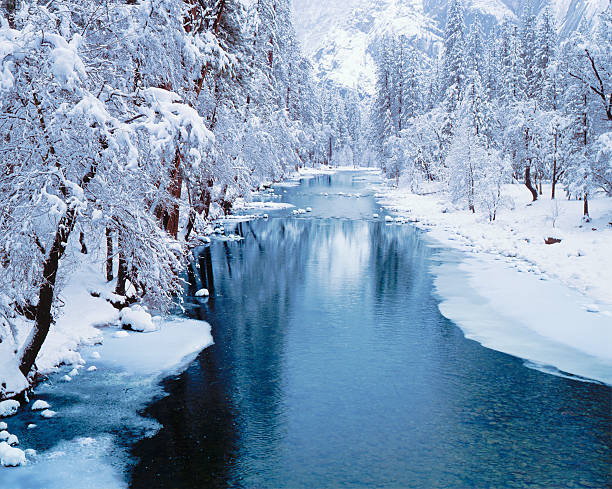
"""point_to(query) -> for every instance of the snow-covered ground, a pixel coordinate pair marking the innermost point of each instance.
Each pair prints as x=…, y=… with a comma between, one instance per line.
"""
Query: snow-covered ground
x=86, y=353
x=119, y=377
x=550, y=304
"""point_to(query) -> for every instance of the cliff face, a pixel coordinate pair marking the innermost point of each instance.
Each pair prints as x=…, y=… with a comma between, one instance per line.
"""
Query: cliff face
x=338, y=36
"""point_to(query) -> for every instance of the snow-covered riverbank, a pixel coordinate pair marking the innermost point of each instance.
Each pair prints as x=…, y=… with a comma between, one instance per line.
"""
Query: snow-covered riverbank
x=549, y=304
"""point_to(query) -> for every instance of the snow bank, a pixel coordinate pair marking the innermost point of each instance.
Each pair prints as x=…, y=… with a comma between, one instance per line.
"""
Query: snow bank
x=39, y=405
x=136, y=318
x=541, y=321
x=174, y=344
x=269, y=206
x=8, y=408
x=519, y=232
x=77, y=321
x=71, y=464
x=549, y=304
x=11, y=456
x=12, y=380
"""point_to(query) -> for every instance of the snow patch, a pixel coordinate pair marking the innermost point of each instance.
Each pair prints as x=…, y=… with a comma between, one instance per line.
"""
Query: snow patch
x=39, y=405
x=10, y=456
x=136, y=318
x=8, y=408
x=48, y=413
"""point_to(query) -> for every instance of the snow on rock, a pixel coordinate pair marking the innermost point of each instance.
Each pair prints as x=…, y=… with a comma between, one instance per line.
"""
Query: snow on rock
x=4, y=435
x=66, y=378
x=121, y=334
x=375, y=216
x=73, y=372
x=39, y=405
x=8, y=408
x=92, y=368
x=48, y=413
x=95, y=355
x=12, y=380
x=31, y=426
x=12, y=440
x=388, y=219
x=3, y=425
x=10, y=456
x=202, y=293
x=136, y=318
x=308, y=209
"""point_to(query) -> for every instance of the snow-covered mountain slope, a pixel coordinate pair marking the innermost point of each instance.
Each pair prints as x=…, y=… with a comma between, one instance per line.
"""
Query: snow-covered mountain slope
x=338, y=35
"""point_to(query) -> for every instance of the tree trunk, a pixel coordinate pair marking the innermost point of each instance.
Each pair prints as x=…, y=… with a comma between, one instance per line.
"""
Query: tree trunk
x=528, y=183
x=175, y=190
x=586, y=207
x=554, y=171
x=46, y=293
x=109, y=254
x=122, y=270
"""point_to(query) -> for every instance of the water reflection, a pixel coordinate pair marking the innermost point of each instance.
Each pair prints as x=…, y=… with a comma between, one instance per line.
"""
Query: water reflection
x=332, y=367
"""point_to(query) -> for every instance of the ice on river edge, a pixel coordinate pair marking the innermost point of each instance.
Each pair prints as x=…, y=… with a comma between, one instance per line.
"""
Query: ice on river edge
x=506, y=301
x=145, y=358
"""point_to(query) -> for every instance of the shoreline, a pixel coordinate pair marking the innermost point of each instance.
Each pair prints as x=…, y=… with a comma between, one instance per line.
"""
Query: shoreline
x=506, y=302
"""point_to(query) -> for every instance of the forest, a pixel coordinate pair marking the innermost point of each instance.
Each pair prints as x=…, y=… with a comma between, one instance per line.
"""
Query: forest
x=131, y=124
x=519, y=104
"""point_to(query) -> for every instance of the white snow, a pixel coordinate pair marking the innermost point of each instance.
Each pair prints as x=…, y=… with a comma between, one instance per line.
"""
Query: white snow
x=10, y=456
x=4, y=435
x=10, y=375
x=136, y=318
x=8, y=408
x=66, y=378
x=39, y=405
x=3, y=425
x=269, y=206
x=173, y=345
x=202, y=293
x=549, y=304
x=74, y=372
x=31, y=426
x=121, y=334
x=12, y=440
x=92, y=368
x=95, y=355
x=48, y=413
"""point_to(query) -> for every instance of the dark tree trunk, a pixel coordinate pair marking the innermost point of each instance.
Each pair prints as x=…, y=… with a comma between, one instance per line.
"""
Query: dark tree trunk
x=122, y=269
x=586, y=206
x=82, y=242
x=46, y=292
x=554, y=170
x=528, y=183
x=109, y=254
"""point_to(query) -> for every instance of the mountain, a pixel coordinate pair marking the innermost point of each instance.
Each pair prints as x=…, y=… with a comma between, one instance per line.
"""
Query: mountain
x=338, y=35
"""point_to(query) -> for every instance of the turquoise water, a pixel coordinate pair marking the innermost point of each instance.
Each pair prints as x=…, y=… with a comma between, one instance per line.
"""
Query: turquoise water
x=333, y=367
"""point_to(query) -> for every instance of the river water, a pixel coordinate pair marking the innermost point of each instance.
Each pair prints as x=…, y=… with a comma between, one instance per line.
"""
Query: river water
x=333, y=367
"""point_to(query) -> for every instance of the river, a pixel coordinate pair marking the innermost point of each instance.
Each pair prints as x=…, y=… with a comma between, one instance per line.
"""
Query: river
x=333, y=367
